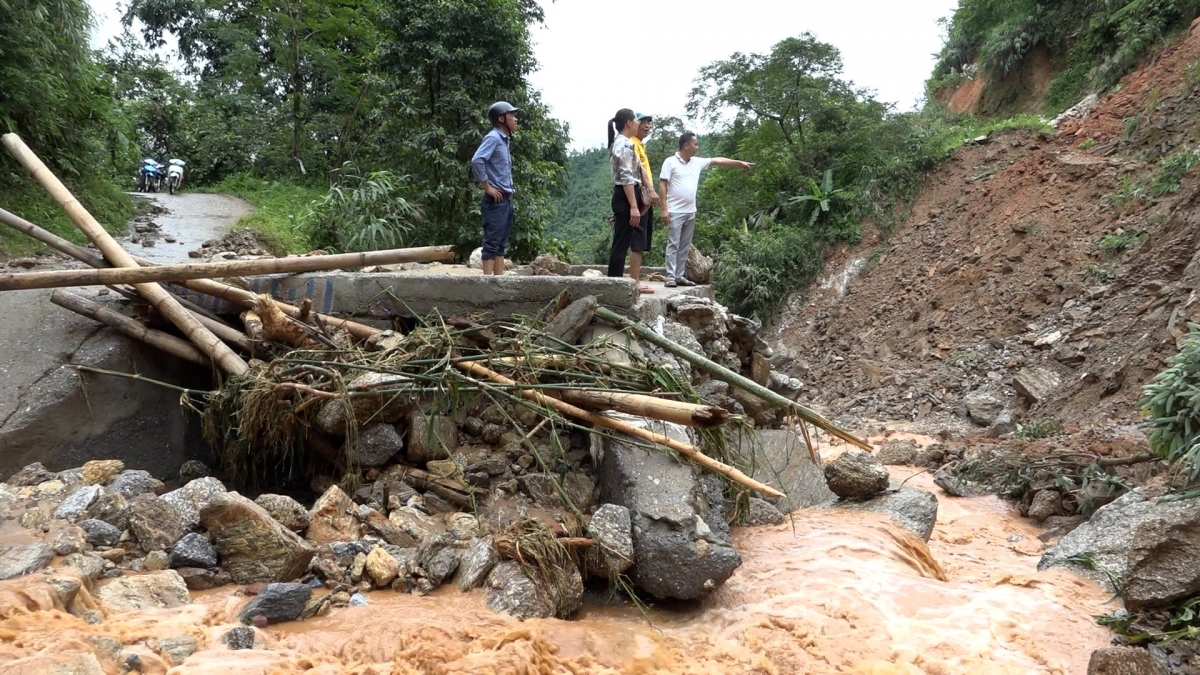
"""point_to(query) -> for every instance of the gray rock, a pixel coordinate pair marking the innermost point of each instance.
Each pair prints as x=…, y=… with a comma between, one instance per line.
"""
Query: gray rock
x=130, y=484
x=1152, y=546
x=100, y=533
x=176, y=649
x=253, y=545
x=154, y=523
x=1046, y=503
x=90, y=565
x=1036, y=384
x=983, y=408
x=430, y=437
x=1004, y=425
x=611, y=527
x=1123, y=661
x=570, y=323
x=912, y=508
x=676, y=553
x=203, y=579
x=74, y=506
x=191, y=470
x=898, y=452
x=476, y=563
x=376, y=445
x=241, y=637
x=111, y=508
x=69, y=539
x=277, y=603
x=101, y=471
x=193, y=550
x=289, y=512
x=762, y=512
x=511, y=592
x=21, y=559
x=189, y=499
x=856, y=475
x=155, y=590
x=33, y=474
x=438, y=556
x=542, y=490
x=958, y=486
x=779, y=458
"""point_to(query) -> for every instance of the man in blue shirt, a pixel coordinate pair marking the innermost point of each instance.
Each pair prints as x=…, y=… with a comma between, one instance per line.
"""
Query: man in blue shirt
x=492, y=167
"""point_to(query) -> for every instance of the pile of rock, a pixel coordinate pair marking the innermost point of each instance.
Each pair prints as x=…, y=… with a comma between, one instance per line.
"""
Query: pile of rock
x=236, y=245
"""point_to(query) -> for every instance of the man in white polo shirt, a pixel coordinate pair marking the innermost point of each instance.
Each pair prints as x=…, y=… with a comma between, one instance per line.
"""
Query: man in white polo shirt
x=677, y=186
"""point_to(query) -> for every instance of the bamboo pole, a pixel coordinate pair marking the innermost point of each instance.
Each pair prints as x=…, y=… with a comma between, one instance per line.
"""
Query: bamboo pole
x=218, y=351
x=11, y=281
x=679, y=412
x=131, y=327
x=722, y=373
x=691, y=452
x=216, y=289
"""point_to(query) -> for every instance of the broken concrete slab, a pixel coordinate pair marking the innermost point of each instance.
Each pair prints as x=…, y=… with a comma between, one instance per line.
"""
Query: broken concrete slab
x=778, y=457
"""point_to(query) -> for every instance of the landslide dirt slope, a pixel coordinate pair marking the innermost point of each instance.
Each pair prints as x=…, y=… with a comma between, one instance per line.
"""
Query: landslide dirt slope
x=999, y=267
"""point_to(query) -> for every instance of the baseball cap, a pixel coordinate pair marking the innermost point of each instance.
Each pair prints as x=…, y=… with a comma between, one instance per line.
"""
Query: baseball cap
x=641, y=116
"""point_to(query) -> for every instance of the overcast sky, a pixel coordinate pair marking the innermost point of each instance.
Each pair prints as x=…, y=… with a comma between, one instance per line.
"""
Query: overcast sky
x=594, y=62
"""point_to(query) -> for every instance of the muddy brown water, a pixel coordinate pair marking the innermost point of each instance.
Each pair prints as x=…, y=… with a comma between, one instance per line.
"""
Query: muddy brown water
x=831, y=592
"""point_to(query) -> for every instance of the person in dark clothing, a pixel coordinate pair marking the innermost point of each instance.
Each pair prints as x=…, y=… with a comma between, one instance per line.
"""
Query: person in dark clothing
x=628, y=204
x=492, y=167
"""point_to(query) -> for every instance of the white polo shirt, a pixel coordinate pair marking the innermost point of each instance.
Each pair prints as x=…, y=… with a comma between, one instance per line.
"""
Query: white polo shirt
x=683, y=178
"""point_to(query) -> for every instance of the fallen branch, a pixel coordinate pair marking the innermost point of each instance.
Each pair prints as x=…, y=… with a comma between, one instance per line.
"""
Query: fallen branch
x=423, y=480
x=215, y=349
x=722, y=373
x=131, y=327
x=642, y=405
x=691, y=452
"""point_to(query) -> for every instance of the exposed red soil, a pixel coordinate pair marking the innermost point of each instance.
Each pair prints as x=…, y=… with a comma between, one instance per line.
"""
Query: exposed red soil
x=1000, y=252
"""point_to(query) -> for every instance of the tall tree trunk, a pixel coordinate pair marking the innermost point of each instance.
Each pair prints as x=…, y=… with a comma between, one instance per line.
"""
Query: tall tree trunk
x=296, y=83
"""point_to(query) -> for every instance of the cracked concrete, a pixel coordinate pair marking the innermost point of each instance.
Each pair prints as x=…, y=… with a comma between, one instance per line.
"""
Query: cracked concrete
x=51, y=415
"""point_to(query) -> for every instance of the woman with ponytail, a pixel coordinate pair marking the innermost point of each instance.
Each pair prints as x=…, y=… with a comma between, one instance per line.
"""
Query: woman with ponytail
x=627, y=202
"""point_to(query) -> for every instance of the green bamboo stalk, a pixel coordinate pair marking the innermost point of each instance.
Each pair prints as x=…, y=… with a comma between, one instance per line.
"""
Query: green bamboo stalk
x=722, y=373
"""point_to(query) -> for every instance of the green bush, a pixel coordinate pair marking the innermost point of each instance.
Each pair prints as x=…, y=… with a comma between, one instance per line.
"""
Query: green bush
x=364, y=213
x=278, y=207
x=100, y=196
x=1172, y=170
x=1172, y=402
x=755, y=273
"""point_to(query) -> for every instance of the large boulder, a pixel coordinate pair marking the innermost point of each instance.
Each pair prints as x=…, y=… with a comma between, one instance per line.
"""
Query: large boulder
x=156, y=590
x=510, y=591
x=333, y=517
x=1123, y=661
x=155, y=523
x=190, y=498
x=253, y=545
x=194, y=550
x=277, y=603
x=21, y=559
x=912, y=508
x=983, y=408
x=568, y=326
x=676, y=553
x=476, y=563
x=74, y=506
x=376, y=444
x=1152, y=546
x=778, y=457
x=286, y=510
x=856, y=475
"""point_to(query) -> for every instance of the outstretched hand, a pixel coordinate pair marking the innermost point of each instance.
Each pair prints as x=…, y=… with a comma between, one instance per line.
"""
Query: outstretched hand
x=746, y=166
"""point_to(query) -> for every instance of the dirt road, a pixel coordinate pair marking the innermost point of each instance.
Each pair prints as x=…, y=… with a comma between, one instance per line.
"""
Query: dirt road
x=45, y=414
x=191, y=218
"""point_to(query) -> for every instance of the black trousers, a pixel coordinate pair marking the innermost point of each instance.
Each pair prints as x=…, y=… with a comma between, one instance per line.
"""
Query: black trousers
x=625, y=236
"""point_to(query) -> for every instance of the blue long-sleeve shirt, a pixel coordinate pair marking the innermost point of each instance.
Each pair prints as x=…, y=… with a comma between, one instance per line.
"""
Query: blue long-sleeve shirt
x=493, y=162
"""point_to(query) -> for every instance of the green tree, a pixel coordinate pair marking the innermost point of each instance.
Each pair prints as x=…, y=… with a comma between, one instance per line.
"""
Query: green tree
x=443, y=62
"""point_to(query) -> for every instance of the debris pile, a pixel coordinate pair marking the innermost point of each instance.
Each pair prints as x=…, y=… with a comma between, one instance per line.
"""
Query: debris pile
x=236, y=245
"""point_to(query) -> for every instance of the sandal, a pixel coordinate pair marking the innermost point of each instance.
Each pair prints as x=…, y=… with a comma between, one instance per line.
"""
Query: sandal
x=646, y=290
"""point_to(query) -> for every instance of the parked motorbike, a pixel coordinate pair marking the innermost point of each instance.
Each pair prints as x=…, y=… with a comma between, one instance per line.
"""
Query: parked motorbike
x=148, y=177
x=175, y=175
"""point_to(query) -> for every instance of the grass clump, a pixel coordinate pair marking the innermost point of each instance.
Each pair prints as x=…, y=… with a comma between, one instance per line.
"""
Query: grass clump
x=362, y=213
x=1035, y=429
x=1121, y=241
x=1172, y=170
x=278, y=207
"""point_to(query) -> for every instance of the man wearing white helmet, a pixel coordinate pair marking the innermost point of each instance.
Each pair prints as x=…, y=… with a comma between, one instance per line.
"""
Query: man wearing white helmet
x=492, y=167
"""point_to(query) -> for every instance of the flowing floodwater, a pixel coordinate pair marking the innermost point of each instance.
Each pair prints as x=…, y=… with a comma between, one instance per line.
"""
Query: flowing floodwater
x=832, y=592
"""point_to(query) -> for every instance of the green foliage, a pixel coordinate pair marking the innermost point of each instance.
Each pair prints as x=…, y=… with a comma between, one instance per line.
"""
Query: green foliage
x=1101, y=40
x=1172, y=170
x=1119, y=242
x=278, y=207
x=362, y=213
x=1172, y=402
x=28, y=200
x=1129, y=189
x=756, y=272
x=1087, y=144
x=583, y=209
x=1035, y=429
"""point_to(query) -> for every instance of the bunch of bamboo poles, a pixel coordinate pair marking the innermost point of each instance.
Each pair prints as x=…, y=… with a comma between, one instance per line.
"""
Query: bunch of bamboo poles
x=210, y=341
